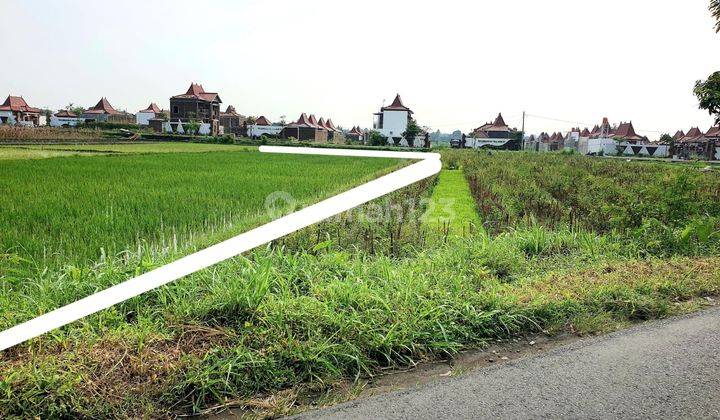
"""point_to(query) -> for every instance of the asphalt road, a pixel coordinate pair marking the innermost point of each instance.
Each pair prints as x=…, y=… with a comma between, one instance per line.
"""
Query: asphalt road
x=667, y=369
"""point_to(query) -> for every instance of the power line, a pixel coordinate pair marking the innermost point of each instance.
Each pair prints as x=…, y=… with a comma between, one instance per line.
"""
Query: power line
x=474, y=122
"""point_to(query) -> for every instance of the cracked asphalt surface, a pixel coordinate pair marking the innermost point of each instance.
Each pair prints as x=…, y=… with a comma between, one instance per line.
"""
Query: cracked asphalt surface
x=668, y=369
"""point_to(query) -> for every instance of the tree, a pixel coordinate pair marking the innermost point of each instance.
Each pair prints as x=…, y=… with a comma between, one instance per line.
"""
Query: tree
x=715, y=10
x=666, y=138
x=78, y=110
x=48, y=114
x=708, y=93
x=411, y=131
x=376, y=139
x=191, y=127
x=250, y=120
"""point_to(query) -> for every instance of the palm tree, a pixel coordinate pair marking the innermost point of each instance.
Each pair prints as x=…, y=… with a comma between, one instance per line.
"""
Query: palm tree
x=715, y=10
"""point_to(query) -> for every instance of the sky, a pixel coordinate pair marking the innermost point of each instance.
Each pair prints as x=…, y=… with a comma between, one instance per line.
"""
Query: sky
x=456, y=64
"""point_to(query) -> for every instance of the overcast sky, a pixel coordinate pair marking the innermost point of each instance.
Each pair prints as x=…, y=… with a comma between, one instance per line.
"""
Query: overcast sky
x=455, y=63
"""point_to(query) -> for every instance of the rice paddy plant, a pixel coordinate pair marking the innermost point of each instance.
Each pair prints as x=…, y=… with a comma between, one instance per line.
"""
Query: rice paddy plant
x=76, y=210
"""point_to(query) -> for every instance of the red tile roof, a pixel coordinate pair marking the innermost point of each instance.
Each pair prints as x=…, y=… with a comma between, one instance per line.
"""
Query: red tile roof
x=302, y=122
x=103, y=107
x=479, y=134
x=314, y=122
x=152, y=108
x=679, y=135
x=499, y=125
x=694, y=135
x=64, y=113
x=230, y=111
x=695, y=131
x=261, y=120
x=626, y=131
x=585, y=132
x=396, y=105
x=196, y=91
x=17, y=104
x=331, y=126
x=713, y=132
x=483, y=127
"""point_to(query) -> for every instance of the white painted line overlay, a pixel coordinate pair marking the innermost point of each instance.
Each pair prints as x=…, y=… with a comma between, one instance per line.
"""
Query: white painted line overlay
x=428, y=165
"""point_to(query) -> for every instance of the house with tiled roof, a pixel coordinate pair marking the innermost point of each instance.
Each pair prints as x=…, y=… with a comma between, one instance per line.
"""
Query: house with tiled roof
x=696, y=144
x=693, y=136
x=16, y=111
x=626, y=132
x=65, y=118
x=497, y=129
x=262, y=120
x=314, y=122
x=231, y=121
x=713, y=134
x=263, y=127
x=103, y=111
x=333, y=134
x=195, y=105
x=678, y=135
x=355, y=135
x=305, y=130
x=602, y=131
x=144, y=116
x=496, y=134
x=392, y=121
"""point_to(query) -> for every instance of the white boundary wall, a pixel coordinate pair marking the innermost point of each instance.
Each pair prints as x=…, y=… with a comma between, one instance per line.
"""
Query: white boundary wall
x=255, y=130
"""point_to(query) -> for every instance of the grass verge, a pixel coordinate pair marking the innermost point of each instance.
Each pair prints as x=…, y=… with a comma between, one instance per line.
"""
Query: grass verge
x=451, y=209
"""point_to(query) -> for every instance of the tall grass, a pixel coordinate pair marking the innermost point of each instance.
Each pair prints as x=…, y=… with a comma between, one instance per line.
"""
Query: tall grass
x=277, y=320
x=593, y=194
x=18, y=133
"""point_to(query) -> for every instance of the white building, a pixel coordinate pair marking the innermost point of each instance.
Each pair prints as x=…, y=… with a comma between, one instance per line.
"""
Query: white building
x=144, y=116
x=392, y=121
x=64, y=118
x=262, y=126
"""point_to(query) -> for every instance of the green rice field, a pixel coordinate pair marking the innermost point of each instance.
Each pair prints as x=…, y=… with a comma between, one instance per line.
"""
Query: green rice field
x=56, y=150
x=77, y=209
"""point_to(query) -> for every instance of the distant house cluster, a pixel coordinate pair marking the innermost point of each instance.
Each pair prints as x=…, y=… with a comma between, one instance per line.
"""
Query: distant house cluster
x=603, y=139
x=198, y=112
x=705, y=145
x=313, y=130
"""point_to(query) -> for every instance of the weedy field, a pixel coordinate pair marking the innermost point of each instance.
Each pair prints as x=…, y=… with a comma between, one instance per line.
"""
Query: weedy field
x=567, y=243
